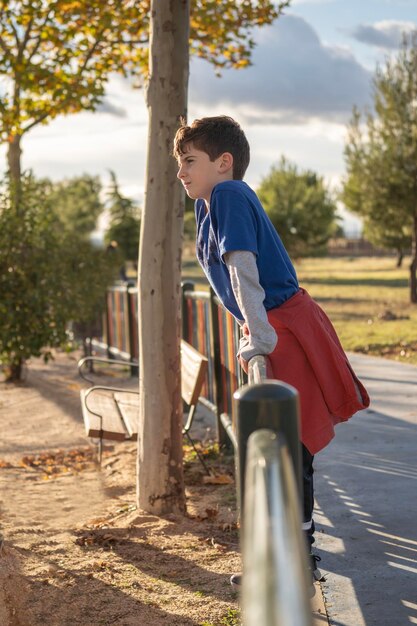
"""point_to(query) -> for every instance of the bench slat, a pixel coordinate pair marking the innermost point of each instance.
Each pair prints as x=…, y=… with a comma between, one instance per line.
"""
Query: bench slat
x=193, y=373
x=112, y=426
x=120, y=410
x=129, y=408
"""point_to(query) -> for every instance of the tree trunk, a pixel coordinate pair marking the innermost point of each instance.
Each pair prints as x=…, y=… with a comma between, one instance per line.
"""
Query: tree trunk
x=14, y=154
x=400, y=258
x=160, y=484
x=14, y=371
x=413, y=264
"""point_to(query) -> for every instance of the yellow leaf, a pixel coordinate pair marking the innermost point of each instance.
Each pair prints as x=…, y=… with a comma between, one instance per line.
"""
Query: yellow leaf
x=219, y=479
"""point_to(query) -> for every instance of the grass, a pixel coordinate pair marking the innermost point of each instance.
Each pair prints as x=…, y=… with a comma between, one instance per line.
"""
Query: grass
x=366, y=298
x=231, y=618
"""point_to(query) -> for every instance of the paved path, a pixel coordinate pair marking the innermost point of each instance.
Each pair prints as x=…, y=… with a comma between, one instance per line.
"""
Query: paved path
x=366, y=497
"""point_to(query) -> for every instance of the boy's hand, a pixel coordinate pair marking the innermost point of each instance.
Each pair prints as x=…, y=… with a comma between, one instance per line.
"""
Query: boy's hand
x=243, y=364
x=245, y=332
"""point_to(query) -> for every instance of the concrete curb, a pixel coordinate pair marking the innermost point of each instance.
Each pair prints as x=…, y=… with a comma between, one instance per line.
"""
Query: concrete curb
x=318, y=607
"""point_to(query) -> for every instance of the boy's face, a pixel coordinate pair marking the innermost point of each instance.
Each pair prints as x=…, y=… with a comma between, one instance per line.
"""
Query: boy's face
x=199, y=175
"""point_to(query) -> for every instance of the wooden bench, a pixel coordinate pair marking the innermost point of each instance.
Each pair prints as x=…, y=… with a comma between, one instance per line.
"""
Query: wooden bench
x=113, y=412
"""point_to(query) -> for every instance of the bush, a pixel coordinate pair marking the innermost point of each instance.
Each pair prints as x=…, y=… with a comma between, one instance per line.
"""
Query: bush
x=48, y=277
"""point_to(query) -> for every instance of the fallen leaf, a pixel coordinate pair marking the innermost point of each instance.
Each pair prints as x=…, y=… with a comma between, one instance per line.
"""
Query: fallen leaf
x=99, y=565
x=218, y=479
x=74, y=387
x=98, y=537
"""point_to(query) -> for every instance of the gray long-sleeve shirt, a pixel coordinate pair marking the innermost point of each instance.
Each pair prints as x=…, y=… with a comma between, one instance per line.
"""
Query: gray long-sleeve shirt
x=250, y=297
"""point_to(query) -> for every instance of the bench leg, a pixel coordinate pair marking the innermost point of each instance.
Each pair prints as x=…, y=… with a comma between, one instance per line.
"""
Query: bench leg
x=197, y=453
x=100, y=450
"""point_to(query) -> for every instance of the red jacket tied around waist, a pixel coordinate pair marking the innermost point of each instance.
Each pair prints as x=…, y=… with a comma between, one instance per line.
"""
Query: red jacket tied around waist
x=309, y=356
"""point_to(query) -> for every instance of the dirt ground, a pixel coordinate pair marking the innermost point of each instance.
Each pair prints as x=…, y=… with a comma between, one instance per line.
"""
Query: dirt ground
x=76, y=551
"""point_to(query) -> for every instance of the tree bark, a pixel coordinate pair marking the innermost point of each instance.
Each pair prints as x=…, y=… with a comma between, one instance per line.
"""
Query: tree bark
x=14, y=154
x=413, y=264
x=400, y=258
x=13, y=371
x=160, y=485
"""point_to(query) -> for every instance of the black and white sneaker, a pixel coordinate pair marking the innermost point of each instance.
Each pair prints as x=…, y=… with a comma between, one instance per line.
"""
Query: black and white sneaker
x=315, y=572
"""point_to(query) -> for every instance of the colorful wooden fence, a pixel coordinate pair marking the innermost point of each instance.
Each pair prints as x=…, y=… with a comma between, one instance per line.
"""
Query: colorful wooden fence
x=215, y=333
x=120, y=334
x=206, y=325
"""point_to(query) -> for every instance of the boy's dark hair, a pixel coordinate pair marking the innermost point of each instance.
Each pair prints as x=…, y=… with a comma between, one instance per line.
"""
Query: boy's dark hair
x=215, y=135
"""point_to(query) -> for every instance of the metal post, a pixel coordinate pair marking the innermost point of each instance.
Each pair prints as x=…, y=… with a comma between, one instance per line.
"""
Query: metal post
x=134, y=369
x=108, y=324
x=222, y=435
x=273, y=405
x=185, y=330
x=88, y=351
x=276, y=580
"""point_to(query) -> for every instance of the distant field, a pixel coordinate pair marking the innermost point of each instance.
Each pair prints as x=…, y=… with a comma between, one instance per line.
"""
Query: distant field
x=367, y=299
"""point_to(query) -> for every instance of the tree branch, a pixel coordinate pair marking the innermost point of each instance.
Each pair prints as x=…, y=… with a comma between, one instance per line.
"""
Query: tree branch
x=89, y=55
x=37, y=121
x=25, y=39
x=47, y=113
x=14, y=32
x=38, y=39
x=4, y=48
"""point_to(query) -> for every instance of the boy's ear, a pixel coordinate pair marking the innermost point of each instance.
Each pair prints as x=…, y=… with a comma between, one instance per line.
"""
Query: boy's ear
x=226, y=162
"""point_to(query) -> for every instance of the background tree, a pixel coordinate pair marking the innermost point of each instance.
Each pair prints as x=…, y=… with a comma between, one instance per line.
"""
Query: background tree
x=56, y=57
x=300, y=207
x=381, y=157
x=220, y=32
x=49, y=276
x=124, y=222
x=386, y=233
x=76, y=205
x=76, y=202
x=364, y=189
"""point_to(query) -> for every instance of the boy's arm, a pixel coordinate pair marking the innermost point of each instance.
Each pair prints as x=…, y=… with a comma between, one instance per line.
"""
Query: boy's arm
x=250, y=296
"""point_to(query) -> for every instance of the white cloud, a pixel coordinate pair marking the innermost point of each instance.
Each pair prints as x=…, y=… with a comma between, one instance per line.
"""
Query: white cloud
x=108, y=107
x=316, y=145
x=386, y=34
x=294, y=78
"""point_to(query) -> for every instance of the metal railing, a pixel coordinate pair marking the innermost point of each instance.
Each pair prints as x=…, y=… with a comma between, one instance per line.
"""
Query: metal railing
x=275, y=574
x=268, y=468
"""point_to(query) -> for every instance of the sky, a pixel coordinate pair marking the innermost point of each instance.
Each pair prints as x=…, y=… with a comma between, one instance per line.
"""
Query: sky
x=309, y=69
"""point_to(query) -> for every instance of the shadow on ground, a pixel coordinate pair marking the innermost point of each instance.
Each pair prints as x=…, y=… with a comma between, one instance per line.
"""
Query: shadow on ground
x=367, y=531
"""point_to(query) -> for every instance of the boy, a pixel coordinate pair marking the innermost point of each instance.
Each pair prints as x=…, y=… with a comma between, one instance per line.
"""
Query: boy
x=247, y=265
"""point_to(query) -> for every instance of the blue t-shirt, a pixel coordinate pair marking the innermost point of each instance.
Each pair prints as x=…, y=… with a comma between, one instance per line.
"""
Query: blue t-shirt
x=237, y=221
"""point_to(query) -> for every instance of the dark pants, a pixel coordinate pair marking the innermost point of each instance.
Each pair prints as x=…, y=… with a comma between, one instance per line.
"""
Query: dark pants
x=308, y=496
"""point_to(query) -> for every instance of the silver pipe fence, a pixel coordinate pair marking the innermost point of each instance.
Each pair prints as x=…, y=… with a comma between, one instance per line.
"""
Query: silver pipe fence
x=276, y=579
x=275, y=573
